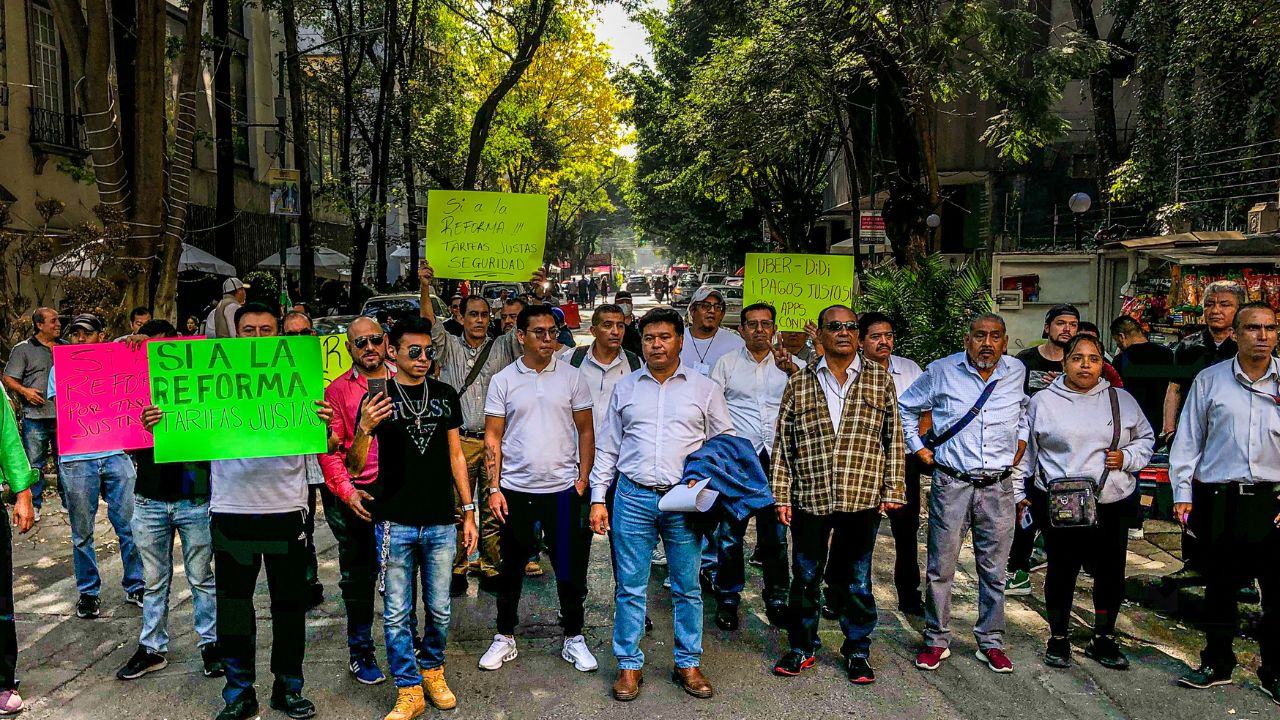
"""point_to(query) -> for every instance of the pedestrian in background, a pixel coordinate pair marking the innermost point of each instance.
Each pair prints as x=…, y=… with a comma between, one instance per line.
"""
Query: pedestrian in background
x=17, y=473
x=26, y=375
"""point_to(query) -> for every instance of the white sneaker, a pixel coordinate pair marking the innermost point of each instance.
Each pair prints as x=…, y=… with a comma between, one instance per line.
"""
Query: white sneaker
x=1136, y=534
x=659, y=556
x=37, y=516
x=576, y=651
x=502, y=650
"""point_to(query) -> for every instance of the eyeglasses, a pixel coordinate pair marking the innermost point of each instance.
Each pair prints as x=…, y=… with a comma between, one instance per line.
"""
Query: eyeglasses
x=709, y=306
x=836, y=326
x=759, y=324
x=362, y=341
x=417, y=351
x=306, y=331
x=543, y=333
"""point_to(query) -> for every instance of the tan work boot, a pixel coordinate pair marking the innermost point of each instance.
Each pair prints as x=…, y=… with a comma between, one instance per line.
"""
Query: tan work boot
x=409, y=704
x=437, y=690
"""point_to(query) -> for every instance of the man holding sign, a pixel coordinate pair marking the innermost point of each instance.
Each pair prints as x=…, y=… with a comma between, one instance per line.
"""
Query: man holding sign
x=108, y=475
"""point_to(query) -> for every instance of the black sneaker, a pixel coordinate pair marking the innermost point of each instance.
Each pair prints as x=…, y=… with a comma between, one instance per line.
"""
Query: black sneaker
x=1206, y=676
x=1058, y=652
x=142, y=662
x=458, y=586
x=829, y=612
x=212, y=660
x=1107, y=653
x=860, y=672
x=727, y=618
x=793, y=663
x=242, y=708
x=489, y=584
x=134, y=598
x=292, y=704
x=648, y=624
x=88, y=607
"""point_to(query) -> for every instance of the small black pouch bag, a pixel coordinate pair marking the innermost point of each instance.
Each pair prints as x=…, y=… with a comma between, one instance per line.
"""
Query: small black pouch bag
x=1073, y=501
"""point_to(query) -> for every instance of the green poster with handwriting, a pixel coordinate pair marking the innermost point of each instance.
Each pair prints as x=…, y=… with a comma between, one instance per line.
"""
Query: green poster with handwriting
x=237, y=398
x=473, y=235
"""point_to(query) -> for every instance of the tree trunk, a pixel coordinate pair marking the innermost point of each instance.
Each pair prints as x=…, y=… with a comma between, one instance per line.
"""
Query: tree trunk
x=301, y=153
x=1101, y=96
x=180, y=167
x=148, y=218
x=410, y=195
x=225, y=155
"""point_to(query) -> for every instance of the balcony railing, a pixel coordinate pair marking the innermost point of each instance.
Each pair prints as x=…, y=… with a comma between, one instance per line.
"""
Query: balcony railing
x=57, y=132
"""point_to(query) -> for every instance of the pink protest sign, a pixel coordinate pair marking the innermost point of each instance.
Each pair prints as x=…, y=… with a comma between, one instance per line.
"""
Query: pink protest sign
x=101, y=389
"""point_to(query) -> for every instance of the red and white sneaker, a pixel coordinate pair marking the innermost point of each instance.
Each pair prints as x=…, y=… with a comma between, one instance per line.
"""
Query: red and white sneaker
x=931, y=657
x=995, y=659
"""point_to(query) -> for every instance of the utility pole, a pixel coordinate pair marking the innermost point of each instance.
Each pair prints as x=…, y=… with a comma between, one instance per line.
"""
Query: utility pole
x=224, y=150
x=301, y=154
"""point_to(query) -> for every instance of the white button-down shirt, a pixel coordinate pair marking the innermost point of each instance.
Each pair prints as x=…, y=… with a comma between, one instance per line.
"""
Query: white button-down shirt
x=651, y=427
x=753, y=391
x=600, y=379
x=837, y=395
x=702, y=355
x=1227, y=433
x=905, y=372
x=949, y=388
x=540, y=439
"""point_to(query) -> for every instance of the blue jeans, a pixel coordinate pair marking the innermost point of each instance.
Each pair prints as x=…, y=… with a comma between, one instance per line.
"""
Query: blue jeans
x=636, y=524
x=110, y=478
x=402, y=550
x=40, y=440
x=154, y=522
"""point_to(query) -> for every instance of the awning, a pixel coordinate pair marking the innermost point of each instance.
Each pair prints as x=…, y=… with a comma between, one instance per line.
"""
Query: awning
x=1177, y=240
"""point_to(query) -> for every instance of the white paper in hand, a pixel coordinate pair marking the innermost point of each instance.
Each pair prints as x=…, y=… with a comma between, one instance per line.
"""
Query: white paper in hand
x=683, y=498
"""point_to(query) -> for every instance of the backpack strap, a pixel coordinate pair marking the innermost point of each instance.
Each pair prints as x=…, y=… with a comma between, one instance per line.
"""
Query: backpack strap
x=1115, y=434
x=579, y=355
x=633, y=360
x=934, y=441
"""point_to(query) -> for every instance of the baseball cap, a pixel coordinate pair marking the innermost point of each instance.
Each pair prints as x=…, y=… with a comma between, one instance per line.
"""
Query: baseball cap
x=705, y=292
x=232, y=284
x=85, y=321
x=621, y=295
x=558, y=314
x=1059, y=310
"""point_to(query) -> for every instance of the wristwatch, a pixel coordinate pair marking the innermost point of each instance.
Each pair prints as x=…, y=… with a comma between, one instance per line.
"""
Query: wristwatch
x=493, y=490
x=469, y=507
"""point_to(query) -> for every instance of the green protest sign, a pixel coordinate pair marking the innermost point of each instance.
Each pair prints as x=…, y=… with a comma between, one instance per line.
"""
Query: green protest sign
x=474, y=235
x=237, y=398
x=798, y=286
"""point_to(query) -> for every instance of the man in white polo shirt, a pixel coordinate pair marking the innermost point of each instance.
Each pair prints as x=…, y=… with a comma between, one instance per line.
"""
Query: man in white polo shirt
x=539, y=443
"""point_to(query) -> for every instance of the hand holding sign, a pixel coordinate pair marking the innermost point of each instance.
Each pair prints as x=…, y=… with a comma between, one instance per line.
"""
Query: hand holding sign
x=475, y=235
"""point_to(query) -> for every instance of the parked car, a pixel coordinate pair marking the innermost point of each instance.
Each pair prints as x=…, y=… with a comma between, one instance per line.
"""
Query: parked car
x=732, y=304
x=401, y=304
x=493, y=291
x=332, y=324
x=638, y=285
x=714, y=278
x=734, y=281
x=684, y=290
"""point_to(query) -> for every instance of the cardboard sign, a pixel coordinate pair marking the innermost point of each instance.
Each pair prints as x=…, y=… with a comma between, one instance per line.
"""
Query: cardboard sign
x=798, y=286
x=101, y=389
x=474, y=235
x=334, y=357
x=237, y=398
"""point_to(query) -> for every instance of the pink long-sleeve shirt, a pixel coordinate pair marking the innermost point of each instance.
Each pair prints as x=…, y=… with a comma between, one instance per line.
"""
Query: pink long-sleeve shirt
x=345, y=394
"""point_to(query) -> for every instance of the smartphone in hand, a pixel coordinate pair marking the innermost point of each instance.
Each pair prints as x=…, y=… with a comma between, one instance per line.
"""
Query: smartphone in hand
x=377, y=386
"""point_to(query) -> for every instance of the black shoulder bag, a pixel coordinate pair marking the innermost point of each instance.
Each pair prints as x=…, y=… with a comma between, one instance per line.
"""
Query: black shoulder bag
x=1073, y=501
x=481, y=359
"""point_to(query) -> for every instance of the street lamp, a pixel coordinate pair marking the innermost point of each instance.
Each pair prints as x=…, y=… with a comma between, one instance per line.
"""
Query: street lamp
x=1079, y=204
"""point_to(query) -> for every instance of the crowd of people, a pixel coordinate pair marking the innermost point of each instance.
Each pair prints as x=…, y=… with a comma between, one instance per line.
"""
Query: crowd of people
x=471, y=445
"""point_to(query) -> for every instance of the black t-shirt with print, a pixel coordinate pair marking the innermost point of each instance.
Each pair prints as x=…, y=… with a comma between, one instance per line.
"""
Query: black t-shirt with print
x=415, y=480
x=1040, y=372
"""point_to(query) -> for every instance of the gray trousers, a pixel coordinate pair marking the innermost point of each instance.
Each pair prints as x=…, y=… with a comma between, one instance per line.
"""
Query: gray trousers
x=955, y=507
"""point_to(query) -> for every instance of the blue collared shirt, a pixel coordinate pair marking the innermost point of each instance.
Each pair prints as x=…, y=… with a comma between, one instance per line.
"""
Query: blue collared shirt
x=949, y=388
x=1227, y=433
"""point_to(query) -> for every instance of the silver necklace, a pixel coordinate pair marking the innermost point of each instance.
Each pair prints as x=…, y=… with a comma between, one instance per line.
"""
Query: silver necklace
x=416, y=412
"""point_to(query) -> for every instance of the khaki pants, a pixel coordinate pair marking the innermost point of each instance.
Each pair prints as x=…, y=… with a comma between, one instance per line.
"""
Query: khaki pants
x=490, y=560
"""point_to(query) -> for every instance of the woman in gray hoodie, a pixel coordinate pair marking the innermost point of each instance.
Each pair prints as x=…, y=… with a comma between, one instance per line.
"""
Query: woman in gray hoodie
x=1069, y=429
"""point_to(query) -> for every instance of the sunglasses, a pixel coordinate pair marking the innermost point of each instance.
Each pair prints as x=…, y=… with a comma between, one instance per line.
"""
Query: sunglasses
x=836, y=326
x=364, y=340
x=294, y=333
x=417, y=351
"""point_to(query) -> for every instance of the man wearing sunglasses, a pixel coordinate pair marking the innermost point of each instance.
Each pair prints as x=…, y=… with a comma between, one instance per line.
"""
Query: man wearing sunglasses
x=539, y=444
x=349, y=519
x=467, y=364
x=454, y=324
x=837, y=465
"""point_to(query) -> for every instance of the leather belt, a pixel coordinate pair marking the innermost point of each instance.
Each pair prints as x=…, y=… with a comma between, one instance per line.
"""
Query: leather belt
x=978, y=480
x=471, y=434
x=1236, y=487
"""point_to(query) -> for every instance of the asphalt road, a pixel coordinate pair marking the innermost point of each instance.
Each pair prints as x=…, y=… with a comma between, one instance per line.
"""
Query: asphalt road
x=67, y=665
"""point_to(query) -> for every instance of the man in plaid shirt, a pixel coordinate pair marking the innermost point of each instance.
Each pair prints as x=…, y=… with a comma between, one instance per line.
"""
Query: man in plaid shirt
x=838, y=462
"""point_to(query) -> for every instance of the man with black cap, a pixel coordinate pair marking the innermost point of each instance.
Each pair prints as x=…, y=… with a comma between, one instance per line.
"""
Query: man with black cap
x=221, y=322
x=705, y=341
x=108, y=475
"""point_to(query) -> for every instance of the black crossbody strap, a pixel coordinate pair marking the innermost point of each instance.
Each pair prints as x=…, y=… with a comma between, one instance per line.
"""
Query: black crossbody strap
x=1115, y=434
x=476, y=368
x=937, y=440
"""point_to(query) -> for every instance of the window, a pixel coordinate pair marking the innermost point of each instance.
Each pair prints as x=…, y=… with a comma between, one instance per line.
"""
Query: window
x=240, y=108
x=46, y=62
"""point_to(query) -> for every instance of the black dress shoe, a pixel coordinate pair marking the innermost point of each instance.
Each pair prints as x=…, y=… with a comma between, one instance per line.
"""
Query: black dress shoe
x=727, y=618
x=211, y=658
x=292, y=704
x=1106, y=653
x=648, y=624
x=1206, y=676
x=242, y=708
x=489, y=583
x=912, y=605
x=777, y=616
x=860, y=671
x=458, y=585
x=316, y=596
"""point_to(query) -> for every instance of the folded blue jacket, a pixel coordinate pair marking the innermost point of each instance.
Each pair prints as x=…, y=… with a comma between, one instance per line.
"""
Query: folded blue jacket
x=735, y=472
